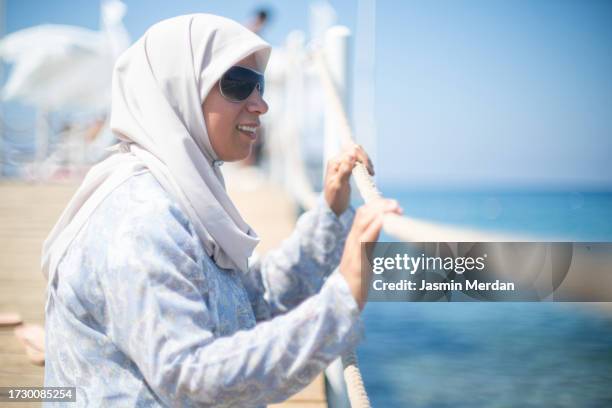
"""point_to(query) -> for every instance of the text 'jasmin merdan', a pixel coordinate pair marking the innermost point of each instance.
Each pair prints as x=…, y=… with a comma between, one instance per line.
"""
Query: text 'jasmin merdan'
x=423, y=263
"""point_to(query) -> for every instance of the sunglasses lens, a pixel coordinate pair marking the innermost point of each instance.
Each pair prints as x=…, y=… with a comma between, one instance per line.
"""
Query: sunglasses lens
x=238, y=83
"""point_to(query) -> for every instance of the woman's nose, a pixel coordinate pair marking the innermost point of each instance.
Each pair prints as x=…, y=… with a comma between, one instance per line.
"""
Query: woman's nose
x=256, y=103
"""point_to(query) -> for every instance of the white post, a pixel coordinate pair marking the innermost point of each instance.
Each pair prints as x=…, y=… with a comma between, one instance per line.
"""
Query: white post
x=337, y=394
x=336, y=52
x=365, y=59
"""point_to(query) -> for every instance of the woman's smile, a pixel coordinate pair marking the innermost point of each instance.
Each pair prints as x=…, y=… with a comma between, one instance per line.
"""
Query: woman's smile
x=250, y=130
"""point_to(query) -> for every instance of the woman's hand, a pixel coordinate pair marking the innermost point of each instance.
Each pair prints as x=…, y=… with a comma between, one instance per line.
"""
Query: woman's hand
x=337, y=175
x=366, y=228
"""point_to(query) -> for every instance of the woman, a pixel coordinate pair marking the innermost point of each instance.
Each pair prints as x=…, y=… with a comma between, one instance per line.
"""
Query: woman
x=151, y=298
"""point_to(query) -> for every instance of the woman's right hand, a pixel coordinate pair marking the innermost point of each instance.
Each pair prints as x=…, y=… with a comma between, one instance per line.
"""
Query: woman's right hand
x=366, y=228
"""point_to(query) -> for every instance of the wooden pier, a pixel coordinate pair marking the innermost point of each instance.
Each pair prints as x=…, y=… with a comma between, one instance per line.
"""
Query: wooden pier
x=27, y=213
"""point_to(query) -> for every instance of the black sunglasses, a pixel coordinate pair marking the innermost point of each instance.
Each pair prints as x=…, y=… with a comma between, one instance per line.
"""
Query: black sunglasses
x=238, y=82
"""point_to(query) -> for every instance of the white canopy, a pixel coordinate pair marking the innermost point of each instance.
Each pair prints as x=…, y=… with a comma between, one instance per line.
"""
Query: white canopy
x=65, y=67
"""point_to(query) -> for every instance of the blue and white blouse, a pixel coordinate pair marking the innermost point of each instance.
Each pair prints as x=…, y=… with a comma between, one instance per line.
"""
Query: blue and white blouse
x=139, y=315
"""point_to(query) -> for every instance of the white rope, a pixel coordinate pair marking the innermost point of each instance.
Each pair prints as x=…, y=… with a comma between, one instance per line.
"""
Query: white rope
x=358, y=396
x=357, y=393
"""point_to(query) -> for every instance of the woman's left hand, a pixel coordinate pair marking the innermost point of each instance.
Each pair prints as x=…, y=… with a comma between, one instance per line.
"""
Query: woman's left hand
x=337, y=176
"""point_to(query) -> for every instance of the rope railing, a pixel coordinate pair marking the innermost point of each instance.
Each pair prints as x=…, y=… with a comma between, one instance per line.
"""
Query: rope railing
x=402, y=227
x=357, y=393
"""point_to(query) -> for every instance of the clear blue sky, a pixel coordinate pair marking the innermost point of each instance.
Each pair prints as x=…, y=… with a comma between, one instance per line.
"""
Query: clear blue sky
x=469, y=94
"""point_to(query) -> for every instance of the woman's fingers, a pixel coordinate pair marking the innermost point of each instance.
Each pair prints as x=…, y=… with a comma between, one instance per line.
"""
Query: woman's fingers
x=372, y=231
x=385, y=205
x=364, y=216
x=363, y=157
x=345, y=169
x=333, y=164
x=368, y=214
x=343, y=164
x=366, y=228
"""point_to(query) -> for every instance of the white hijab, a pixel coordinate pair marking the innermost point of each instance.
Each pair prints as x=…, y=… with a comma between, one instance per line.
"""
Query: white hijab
x=159, y=85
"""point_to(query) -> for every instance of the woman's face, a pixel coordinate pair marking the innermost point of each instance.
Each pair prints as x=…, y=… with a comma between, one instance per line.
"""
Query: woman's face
x=225, y=119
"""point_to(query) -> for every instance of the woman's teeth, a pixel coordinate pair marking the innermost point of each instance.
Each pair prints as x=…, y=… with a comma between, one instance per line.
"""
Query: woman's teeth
x=251, y=129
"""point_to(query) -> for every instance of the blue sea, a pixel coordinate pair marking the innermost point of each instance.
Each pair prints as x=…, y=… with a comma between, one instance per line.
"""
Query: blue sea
x=439, y=355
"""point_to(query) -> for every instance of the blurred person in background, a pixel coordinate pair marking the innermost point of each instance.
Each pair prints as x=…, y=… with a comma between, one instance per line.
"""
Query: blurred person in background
x=260, y=20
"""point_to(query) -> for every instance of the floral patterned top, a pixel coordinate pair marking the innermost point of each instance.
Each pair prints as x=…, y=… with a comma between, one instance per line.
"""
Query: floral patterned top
x=139, y=315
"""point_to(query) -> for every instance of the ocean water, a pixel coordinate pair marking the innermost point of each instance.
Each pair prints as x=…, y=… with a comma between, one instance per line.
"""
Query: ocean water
x=439, y=355
x=566, y=216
